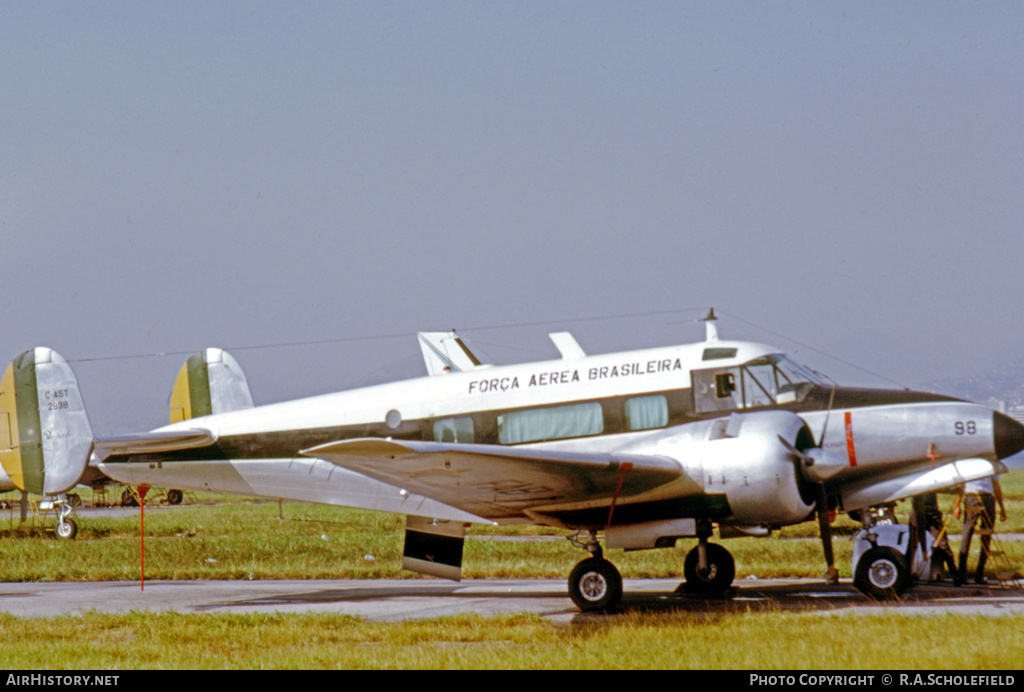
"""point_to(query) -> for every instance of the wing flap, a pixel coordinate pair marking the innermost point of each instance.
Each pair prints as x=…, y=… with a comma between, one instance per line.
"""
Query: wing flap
x=501, y=482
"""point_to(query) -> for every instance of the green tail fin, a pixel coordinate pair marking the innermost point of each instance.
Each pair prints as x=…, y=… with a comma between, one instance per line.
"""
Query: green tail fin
x=209, y=382
x=45, y=436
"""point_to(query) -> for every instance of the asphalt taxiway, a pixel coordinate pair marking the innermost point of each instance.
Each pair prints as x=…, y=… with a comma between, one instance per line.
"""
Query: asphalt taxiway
x=405, y=599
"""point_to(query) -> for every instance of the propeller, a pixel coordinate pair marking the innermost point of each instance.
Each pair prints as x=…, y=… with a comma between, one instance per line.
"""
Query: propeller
x=826, y=466
x=816, y=465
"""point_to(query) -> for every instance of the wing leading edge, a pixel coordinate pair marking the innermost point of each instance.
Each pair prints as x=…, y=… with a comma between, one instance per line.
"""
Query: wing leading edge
x=502, y=483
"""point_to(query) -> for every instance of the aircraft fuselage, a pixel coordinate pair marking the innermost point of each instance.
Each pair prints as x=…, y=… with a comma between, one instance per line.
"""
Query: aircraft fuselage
x=684, y=402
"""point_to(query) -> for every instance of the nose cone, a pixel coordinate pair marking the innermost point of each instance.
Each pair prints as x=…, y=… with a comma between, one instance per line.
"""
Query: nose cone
x=1008, y=435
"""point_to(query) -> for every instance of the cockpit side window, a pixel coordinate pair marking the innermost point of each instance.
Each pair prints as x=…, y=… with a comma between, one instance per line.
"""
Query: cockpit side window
x=765, y=381
x=759, y=387
x=717, y=390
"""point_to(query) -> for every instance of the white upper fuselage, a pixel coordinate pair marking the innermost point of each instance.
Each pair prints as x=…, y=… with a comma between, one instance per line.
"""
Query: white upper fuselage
x=486, y=388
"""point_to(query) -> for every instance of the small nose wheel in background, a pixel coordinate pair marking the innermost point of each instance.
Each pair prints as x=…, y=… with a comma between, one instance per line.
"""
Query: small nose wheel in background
x=66, y=528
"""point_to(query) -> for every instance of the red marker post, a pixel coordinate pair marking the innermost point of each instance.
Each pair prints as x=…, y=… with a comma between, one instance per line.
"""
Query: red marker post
x=143, y=489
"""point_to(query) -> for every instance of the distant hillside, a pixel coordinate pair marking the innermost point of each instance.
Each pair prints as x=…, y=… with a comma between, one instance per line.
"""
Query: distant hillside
x=1002, y=383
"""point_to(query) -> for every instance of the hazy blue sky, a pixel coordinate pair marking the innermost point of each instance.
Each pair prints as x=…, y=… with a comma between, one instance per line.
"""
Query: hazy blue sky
x=175, y=175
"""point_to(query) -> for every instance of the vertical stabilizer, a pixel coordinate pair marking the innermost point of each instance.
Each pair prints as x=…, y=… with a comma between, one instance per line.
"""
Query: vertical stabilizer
x=209, y=382
x=45, y=436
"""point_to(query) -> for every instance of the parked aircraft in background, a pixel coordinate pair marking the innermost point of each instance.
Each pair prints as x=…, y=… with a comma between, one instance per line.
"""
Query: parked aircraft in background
x=645, y=447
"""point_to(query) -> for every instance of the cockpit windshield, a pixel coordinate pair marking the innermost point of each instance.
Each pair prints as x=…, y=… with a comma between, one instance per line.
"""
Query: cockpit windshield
x=767, y=381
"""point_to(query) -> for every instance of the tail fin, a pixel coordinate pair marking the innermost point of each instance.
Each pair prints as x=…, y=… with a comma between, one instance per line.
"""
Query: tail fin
x=45, y=436
x=209, y=382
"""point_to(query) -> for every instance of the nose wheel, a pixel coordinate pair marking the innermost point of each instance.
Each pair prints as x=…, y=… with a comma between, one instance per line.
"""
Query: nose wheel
x=882, y=573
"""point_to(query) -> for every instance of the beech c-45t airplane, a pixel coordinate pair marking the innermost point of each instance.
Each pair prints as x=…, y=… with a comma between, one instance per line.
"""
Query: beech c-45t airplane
x=645, y=447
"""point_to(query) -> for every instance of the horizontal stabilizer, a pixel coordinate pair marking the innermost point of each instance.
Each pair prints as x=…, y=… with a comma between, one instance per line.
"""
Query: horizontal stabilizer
x=930, y=480
x=45, y=435
x=210, y=382
x=154, y=442
x=445, y=352
x=494, y=482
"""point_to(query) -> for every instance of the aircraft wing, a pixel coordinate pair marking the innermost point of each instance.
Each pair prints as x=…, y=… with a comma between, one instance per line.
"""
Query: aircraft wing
x=502, y=482
x=153, y=442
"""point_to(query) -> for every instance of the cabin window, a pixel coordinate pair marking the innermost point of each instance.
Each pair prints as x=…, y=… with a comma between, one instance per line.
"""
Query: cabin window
x=553, y=423
x=453, y=430
x=646, y=412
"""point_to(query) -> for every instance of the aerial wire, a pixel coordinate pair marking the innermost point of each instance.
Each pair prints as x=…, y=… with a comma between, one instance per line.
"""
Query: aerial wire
x=490, y=327
x=352, y=339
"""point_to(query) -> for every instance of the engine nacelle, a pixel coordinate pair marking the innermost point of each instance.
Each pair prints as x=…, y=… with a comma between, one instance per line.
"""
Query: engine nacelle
x=759, y=476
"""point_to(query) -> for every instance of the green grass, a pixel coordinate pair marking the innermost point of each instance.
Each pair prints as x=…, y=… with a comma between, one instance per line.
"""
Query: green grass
x=223, y=537
x=226, y=537
x=681, y=641
x=247, y=540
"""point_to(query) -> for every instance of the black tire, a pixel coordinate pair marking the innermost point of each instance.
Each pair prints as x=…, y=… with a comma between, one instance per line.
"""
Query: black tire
x=595, y=584
x=719, y=575
x=128, y=499
x=67, y=529
x=174, y=497
x=881, y=573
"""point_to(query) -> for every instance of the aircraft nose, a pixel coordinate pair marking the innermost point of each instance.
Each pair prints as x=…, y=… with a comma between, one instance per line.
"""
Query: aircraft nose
x=1007, y=434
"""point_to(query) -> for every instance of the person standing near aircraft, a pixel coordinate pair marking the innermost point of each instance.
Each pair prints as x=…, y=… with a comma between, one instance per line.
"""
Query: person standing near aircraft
x=980, y=501
x=926, y=519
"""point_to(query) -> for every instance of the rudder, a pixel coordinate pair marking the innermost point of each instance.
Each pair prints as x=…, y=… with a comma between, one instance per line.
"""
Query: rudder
x=210, y=382
x=45, y=435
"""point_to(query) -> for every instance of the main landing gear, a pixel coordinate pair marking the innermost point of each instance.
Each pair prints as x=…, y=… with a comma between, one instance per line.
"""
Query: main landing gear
x=596, y=585
x=710, y=574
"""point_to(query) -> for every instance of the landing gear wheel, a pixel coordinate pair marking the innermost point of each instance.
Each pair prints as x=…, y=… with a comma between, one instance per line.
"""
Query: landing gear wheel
x=174, y=497
x=128, y=499
x=881, y=573
x=718, y=576
x=595, y=584
x=67, y=529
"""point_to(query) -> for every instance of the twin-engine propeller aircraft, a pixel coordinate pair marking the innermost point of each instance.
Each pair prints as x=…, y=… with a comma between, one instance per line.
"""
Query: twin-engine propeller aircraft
x=645, y=447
